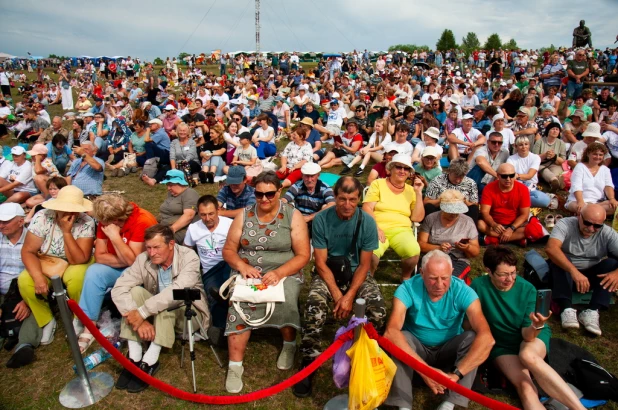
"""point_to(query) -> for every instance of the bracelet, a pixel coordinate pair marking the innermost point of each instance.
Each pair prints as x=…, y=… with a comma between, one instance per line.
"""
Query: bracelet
x=538, y=328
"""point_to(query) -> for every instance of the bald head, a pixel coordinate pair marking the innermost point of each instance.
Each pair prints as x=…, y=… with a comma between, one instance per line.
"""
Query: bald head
x=506, y=169
x=594, y=212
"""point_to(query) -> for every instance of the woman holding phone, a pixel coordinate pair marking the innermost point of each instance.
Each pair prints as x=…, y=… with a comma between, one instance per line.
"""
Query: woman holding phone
x=521, y=334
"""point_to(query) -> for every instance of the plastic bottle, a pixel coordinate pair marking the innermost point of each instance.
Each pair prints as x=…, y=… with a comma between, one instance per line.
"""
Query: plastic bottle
x=95, y=358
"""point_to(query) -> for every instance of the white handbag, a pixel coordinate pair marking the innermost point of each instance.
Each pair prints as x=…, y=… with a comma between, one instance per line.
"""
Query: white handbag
x=252, y=291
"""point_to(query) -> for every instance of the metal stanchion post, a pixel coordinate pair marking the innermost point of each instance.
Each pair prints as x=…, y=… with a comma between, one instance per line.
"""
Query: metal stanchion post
x=87, y=388
x=340, y=402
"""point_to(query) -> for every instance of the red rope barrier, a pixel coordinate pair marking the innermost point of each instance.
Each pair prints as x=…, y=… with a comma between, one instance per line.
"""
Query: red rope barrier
x=202, y=398
x=267, y=392
x=420, y=367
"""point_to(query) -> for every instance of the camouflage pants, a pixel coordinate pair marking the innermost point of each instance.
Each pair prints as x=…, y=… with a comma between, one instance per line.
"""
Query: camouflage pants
x=318, y=307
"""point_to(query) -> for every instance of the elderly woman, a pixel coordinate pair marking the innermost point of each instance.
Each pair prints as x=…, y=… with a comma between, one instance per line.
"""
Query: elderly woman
x=178, y=209
x=552, y=151
x=591, y=182
x=395, y=206
x=454, y=178
x=450, y=231
x=119, y=240
x=64, y=231
x=170, y=120
x=268, y=241
x=296, y=154
x=183, y=152
x=522, y=335
x=264, y=137
x=429, y=167
x=527, y=167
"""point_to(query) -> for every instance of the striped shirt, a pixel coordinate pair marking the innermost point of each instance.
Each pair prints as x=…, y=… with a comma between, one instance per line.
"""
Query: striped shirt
x=306, y=202
x=10, y=261
x=226, y=197
x=552, y=69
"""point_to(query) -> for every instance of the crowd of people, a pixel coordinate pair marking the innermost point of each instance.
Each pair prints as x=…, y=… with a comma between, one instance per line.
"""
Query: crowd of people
x=452, y=154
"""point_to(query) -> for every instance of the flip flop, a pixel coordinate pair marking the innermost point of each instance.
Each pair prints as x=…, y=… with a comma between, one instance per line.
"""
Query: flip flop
x=84, y=341
x=557, y=218
x=550, y=221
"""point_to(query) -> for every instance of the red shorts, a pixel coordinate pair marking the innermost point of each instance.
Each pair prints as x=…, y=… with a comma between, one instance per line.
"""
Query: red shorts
x=292, y=176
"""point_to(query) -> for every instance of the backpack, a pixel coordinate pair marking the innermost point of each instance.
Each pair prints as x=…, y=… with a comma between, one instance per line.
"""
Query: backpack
x=151, y=167
x=9, y=326
x=595, y=382
x=536, y=270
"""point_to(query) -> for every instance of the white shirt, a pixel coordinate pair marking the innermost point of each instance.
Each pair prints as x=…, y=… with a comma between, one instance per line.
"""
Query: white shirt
x=385, y=141
x=336, y=117
x=421, y=146
x=524, y=165
x=591, y=187
x=471, y=136
x=508, y=137
x=209, y=244
x=221, y=99
x=22, y=174
x=577, y=150
x=404, y=148
x=4, y=78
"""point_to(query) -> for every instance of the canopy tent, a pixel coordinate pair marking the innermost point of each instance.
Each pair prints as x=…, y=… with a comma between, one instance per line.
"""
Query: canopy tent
x=332, y=55
x=5, y=56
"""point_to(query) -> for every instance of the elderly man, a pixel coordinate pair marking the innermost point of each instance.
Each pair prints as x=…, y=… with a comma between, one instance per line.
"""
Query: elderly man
x=523, y=127
x=334, y=233
x=487, y=159
x=464, y=141
x=144, y=294
x=505, y=208
x=577, y=70
x=207, y=236
x=237, y=194
x=56, y=128
x=417, y=326
x=12, y=235
x=151, y=110
x=583, y=254
x=86, y=172
x=310, y=195
x=480, y=122
x=16, y=179
x=158, y=143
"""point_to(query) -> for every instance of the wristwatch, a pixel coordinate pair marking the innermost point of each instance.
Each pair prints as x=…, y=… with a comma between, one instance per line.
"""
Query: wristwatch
x=457, y=373
x=513, y=228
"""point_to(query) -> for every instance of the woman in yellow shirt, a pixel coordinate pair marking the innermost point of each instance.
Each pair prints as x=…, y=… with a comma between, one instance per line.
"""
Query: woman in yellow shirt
x=395, y=206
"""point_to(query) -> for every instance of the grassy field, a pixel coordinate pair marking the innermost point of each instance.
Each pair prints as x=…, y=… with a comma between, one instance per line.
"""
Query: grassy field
x=37, y=386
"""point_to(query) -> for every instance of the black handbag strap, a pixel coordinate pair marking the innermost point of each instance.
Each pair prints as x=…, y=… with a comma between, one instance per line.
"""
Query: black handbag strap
x=353, y=246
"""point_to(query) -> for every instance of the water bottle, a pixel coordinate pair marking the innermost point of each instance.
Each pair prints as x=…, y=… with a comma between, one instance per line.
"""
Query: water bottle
x=95, y=358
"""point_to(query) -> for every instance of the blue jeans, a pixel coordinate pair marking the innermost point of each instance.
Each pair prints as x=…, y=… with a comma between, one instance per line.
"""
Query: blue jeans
x=98, y=280
x=574, y=89
x=539, y=199
x=266, y=149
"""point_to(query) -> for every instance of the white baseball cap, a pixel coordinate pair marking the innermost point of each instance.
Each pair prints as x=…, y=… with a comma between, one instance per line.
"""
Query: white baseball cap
x=10, y=210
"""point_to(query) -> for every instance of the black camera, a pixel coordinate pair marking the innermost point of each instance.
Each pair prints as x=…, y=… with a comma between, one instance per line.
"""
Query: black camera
x=186, y=294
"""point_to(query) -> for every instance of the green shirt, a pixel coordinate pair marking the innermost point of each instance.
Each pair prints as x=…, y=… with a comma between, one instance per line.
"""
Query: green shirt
x=508, y=313
x=427, y=174
x=578, y=67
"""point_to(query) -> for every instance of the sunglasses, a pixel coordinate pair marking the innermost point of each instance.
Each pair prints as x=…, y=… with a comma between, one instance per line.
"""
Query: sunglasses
x=507, y=176
x=401, y=167
x=595, y=226
x=269, y=195
x=496, y=142
x=360, y=110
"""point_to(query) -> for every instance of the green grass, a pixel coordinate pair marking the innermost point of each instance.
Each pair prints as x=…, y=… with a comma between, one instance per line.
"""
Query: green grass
x=37, y=386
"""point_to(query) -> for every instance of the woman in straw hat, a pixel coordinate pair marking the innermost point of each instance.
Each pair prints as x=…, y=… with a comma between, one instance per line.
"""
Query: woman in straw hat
x=62, y=230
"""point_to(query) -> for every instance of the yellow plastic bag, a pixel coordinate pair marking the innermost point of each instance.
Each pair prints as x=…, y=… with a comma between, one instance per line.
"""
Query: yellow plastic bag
x=371, y=374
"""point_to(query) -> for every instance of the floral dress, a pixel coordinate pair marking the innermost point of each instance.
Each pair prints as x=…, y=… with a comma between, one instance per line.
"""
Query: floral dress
x=266, y=246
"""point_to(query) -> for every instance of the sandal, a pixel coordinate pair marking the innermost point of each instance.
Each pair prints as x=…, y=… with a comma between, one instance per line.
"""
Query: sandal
x=557, y=218
x=84, y=341
x=550, y=221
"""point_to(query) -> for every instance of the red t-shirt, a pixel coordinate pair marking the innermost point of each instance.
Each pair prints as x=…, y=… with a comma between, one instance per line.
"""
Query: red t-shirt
x=505, y=205
x=133, y=229
x=380, y=168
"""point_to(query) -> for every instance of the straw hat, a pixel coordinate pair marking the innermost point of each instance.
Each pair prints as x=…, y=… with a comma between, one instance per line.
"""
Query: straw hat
x=307, y=121
x=452, y=202
x=69, y=199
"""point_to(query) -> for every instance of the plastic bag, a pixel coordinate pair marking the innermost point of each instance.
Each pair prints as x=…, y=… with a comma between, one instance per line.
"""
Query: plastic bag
x=371, y=376
x=341, y=361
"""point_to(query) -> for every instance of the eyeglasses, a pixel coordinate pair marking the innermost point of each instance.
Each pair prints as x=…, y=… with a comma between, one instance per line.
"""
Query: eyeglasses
x=506, y=275
x=269, y=195
x=588, y=223
x=496, y=142
x=507, y=176
x=401, y=167
x=360, y=110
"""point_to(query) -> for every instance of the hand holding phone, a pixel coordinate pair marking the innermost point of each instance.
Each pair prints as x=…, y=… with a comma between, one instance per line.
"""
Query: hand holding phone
x=543, y=302
x=464, y=241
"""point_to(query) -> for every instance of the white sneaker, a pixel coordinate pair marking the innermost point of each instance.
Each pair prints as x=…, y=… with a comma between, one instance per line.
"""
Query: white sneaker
x=48, y=332
x=233, y=382
x=590, y=319
x=220, y=178
x=78, y=327
x=569, y=319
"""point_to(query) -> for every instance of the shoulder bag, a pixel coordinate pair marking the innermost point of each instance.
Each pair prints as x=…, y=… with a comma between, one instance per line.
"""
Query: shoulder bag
x=51, y=265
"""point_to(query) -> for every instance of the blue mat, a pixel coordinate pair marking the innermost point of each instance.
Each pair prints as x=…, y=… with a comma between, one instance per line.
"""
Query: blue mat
x=329, y=179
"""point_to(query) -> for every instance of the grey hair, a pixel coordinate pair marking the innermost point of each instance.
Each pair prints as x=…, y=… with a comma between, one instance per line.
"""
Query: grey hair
x=521, y=139
x=436, y=254
x=87, y=143
x=459, y=167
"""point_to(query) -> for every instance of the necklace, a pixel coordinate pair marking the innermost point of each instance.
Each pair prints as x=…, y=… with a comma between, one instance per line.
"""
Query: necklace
x=398, y=187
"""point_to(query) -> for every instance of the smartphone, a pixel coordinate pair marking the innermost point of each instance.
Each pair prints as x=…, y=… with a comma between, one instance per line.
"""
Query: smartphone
x=543, y=302
x=464, y=241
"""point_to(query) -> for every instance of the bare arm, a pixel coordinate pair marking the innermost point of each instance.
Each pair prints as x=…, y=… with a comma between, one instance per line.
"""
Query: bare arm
x=483, y=342
x=184, y=220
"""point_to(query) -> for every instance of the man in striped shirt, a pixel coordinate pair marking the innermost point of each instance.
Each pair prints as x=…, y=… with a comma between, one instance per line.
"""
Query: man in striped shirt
x=12, y=235
x=310, y=195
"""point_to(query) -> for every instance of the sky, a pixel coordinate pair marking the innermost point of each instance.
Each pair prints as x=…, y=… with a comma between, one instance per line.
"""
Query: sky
x=162, y=28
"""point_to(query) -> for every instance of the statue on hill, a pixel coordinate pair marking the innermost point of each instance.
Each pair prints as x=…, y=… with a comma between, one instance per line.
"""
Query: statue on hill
x=582, y=36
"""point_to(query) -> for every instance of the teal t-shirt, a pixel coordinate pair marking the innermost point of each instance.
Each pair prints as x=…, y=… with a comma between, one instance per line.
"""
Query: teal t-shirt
x=334, y=234
x=434, y=323
x=507, y=313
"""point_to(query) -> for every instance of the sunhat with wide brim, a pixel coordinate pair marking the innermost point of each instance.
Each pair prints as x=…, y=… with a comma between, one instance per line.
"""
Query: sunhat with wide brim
x=174, y=176
x=69, y=199
x=401, y=159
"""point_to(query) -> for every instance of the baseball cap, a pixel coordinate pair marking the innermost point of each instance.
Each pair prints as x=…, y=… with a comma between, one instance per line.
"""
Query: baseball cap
x=18, y=150
x=236, y=175
x=156, y=121
x=10, y=210
x=38, y=149
x=467, y=117
x=479, y=108
x=334, y=101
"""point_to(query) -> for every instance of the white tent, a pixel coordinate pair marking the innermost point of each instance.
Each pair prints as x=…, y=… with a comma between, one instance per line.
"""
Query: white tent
x=5, y=56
